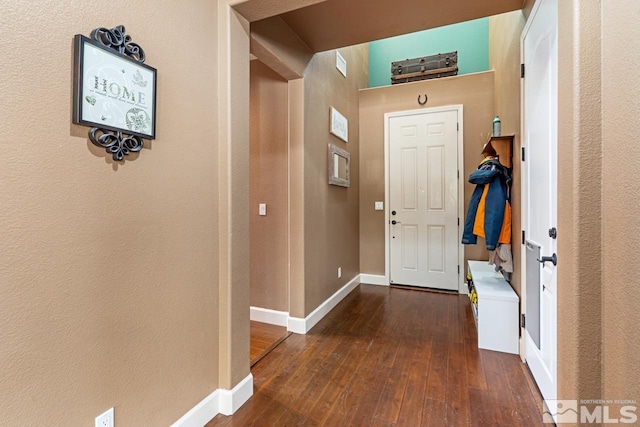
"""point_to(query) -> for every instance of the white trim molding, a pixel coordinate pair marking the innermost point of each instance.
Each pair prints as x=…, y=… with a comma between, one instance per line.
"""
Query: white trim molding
x=374, y=279
x=302, y=326
x=202, y=413
x=231, y=400
x=266, y=315
x=221, y=401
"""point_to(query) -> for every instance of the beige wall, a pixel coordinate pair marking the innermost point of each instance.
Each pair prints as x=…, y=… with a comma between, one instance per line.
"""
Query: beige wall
x=330, y=212
x=277, y=46
x=268, y=176
x=504, y=60
x=296, y=198
x=474, y=91
x=233, y=194
x=621, y=198
x=579, y=201
x=108, y=280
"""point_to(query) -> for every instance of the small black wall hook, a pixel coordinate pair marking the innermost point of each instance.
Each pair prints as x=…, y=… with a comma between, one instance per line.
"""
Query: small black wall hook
x=426, y=98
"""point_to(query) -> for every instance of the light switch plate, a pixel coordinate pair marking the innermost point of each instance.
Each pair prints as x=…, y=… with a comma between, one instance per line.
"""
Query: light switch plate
x=379, y=206
x=263, y=209
x=106, y=419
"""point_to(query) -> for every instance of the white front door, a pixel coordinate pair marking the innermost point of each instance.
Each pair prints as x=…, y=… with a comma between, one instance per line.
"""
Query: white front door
x=540, y=184
x=423, y=199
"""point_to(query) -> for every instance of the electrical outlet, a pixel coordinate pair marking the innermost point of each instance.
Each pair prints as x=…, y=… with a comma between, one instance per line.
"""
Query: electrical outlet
x=105, y=420
x=339, y=272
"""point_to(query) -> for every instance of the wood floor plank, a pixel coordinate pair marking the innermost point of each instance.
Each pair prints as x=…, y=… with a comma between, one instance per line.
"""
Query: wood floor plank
x=411, y=410
x=434, y=413
x=457, y=395
x=373, y=386
x=389, y=357
x=475, y=371
x=528, y=411
x=481, y=408
x=437, y=380
x=394, y=388
x=502, y=404
x=264, y=338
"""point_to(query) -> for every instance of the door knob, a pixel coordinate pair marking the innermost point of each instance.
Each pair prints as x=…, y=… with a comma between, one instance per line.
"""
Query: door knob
x=552, y=259
x=553, y=233
x=394, y=222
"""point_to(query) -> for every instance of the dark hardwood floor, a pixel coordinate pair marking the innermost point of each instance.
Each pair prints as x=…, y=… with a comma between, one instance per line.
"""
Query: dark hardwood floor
x=264, y=338
x=390, y=357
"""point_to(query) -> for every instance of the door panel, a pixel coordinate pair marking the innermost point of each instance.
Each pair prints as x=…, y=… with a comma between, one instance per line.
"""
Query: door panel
x=409, y=239
x=540, y=98
x=437, y=249
x=436, y=178
x=423, y=189
x=409, y=175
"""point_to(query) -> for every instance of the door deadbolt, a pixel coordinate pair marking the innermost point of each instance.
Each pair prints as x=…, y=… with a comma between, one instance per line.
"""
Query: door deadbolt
x=393, y=212
x=553, y=233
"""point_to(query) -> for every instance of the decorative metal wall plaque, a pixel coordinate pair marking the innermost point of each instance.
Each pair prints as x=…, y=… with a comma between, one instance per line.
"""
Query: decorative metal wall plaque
x=114, y=92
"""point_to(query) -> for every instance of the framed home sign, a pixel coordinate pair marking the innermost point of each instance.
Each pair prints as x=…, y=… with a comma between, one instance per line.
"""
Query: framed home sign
x=114, y=91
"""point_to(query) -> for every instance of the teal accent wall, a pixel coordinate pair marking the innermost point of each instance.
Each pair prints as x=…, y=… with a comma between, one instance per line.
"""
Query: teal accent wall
x=470, y=39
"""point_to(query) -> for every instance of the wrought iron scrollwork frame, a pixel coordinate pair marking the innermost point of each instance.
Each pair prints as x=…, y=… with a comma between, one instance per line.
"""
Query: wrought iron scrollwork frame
x=118, y=40
x=116, y=142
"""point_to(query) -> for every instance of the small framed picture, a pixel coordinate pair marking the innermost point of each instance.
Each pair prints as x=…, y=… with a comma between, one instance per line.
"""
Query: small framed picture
x=339, y=125
x=112, y=91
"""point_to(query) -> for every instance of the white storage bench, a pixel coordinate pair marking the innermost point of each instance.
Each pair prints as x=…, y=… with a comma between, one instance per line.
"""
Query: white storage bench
x=496, y=308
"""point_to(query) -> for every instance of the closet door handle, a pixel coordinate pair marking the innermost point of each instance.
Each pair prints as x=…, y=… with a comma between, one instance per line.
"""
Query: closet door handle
x=552, y=259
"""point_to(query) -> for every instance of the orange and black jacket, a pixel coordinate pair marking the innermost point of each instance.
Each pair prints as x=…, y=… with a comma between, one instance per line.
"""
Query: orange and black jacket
x=489, y=214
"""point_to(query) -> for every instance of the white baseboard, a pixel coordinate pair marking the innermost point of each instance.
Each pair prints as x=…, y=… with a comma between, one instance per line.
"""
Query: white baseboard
x=269, y=316
x=373, y=279
x=302, y=326
x=221, y=401
x=202, y=413
x=296, y=325
x=231, y=400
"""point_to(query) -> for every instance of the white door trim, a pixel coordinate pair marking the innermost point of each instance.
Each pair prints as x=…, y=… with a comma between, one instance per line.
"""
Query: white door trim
x=387, y=118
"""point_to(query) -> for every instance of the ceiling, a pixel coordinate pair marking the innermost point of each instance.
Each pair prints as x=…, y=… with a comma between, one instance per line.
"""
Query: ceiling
x=333, y=24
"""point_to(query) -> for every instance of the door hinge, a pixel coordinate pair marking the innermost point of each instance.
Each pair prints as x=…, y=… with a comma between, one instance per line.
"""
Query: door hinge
x=458, y=221
x=458, y=127
x=522, y=71
x=458, y=269
x=523, y=321
x=458, y=173
x=523, y=154
x=523, y=238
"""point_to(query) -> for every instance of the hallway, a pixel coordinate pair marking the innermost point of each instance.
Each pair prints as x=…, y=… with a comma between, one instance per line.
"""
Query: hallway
x=388, y=356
